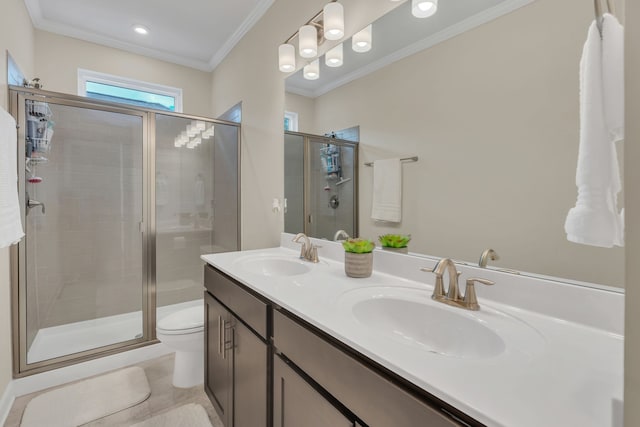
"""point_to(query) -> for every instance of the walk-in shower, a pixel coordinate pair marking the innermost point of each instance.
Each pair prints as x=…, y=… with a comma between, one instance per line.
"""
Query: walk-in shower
x=118, y=204
x=320, y=185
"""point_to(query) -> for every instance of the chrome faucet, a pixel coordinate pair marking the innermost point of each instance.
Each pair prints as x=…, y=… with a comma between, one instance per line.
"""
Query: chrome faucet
x=340, y=233
x=487, y=254
x=308, y=251
x=453, y=297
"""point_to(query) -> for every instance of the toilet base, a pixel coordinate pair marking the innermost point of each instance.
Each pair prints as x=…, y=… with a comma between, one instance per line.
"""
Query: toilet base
x=188, y=369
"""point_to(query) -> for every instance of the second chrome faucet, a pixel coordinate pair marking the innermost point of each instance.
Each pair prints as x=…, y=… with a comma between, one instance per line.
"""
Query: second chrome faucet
x=453, y=296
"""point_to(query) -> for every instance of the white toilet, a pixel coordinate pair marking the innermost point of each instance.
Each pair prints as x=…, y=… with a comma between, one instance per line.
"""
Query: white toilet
x=183, y=331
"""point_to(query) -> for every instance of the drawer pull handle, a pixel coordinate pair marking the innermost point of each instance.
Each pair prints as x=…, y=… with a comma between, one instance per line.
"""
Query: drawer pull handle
x=220, y=334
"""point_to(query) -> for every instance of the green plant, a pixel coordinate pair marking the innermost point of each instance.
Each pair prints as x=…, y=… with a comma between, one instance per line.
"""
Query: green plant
x=358, y=246
x=395, y=240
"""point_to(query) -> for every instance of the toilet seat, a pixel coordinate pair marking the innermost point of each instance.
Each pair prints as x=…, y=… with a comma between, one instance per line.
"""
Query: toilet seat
x=187, y=321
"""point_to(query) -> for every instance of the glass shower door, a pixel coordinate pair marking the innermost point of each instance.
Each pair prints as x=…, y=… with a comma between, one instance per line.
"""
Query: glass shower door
x=196, y=204
x=82, y=188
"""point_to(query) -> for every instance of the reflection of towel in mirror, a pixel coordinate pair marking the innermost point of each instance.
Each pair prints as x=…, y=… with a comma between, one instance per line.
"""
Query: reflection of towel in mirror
x=10, y=224
x=387, y=190
x=595, y=219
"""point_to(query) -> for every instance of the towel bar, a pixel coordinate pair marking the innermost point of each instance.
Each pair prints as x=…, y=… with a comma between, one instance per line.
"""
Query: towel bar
x=405, y=159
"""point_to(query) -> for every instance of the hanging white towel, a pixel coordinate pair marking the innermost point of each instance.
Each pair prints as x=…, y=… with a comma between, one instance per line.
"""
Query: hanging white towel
x=10, y=223
x=387, y=190
x=595, y=219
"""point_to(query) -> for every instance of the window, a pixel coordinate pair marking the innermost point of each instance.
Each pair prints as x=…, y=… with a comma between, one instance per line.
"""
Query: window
x=291, y=121
x=107, y=87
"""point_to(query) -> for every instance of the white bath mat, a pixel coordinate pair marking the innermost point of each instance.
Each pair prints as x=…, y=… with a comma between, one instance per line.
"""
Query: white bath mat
x=191, y=415
x=87, y=400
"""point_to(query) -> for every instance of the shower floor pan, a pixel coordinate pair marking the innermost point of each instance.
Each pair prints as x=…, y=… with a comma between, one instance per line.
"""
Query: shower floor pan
x=75, y=337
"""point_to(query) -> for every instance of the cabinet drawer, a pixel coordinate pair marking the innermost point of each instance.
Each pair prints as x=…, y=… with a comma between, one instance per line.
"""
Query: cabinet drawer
x=377, y=401
x=244, y=305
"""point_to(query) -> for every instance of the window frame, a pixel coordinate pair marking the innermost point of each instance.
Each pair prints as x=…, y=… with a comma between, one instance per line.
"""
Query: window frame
x=85, y=76
x=293, y=120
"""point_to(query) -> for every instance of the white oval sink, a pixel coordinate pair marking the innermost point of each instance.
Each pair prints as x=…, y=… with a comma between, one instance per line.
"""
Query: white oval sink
x=410, y=317
x=273, y=266
x=429, y=327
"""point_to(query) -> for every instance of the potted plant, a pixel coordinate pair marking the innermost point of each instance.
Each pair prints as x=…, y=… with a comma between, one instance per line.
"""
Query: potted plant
x=358, y=257
x=395, y=242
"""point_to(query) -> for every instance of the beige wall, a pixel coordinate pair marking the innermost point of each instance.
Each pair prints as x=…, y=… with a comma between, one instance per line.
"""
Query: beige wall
x=58, y=59
x=493, y=116
x=250, y=74
x=305, y=107
x=16, y=36
x=632, y=201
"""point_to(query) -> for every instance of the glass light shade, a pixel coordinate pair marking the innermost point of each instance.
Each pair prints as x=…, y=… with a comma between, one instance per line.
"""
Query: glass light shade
x=333, y=15
x=200, y=125
x=308, y=41
x=361, y=41
x=334, y=56
x=423, y=8
x=287, y=58
x=191, y=131
x=312, y=71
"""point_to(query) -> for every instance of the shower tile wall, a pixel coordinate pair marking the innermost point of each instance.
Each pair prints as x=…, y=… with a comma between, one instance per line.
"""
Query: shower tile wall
x=87, y=248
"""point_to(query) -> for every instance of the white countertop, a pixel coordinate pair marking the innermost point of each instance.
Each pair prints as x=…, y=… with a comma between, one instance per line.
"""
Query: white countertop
x=569, y=374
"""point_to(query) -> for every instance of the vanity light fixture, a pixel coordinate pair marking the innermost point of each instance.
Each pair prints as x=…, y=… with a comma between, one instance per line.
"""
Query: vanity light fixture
x=334, y=57
x=141, y=29
x=333, y=21
x=328, y=24
x=423, y=8
x=308, y=41
x=361, y=41
x=312, y=71
x=287, y=58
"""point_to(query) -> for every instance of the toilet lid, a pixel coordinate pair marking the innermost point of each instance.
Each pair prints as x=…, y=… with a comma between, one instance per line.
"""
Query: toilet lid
x=185, y=321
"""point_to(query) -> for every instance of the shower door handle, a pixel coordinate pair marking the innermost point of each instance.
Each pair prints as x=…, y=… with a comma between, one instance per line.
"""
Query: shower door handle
x=33, y=203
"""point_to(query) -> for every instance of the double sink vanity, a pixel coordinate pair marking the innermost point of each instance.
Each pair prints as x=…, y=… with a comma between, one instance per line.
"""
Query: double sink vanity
x=295, y=343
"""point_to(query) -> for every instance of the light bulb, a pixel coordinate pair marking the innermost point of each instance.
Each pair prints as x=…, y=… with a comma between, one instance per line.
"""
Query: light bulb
x=287, y=58
x=424, y=8
x=334, y=57
x=308, y=41
x=312, y=71
x=333, y=15
x=361, y=41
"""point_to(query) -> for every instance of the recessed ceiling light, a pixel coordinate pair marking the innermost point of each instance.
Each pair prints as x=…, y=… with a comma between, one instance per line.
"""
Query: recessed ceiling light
x=141, y=29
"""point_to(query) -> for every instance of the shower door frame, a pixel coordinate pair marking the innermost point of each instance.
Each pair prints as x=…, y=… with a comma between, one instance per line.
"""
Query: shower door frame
x=17, y=97
x=306, y=138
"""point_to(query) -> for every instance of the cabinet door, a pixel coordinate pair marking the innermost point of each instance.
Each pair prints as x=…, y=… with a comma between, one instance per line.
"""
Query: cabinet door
x=249, y=377
x=218, y=379
x=297, y=404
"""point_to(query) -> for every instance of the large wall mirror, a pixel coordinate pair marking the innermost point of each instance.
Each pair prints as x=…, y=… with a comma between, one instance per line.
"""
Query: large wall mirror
x=486, y=94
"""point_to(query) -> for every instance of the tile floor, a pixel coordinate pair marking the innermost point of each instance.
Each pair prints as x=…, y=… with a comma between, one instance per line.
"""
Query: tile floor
x=164, y=397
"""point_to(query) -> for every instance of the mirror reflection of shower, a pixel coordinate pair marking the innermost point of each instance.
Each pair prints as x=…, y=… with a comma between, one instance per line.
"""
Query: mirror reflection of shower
x=320, y=184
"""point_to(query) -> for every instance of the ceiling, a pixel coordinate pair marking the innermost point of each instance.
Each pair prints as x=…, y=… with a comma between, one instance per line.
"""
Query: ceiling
x=193, y=33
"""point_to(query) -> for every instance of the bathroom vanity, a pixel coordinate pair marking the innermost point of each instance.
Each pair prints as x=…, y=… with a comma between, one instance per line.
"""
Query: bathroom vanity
x=291, y=343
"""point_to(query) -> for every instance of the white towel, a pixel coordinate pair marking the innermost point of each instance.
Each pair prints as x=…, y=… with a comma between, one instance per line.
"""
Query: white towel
x=595, y=219
x=387, y=190
x=10, y=223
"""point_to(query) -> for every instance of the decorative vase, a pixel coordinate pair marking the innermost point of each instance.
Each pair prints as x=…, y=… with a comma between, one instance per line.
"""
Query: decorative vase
x=404, y=250
x=358, y=265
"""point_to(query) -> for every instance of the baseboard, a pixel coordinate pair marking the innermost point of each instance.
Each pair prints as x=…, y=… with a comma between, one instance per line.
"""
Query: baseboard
x=6, y=401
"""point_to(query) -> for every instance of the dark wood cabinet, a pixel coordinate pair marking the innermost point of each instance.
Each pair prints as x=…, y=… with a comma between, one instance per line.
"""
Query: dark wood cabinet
x=236, y=364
